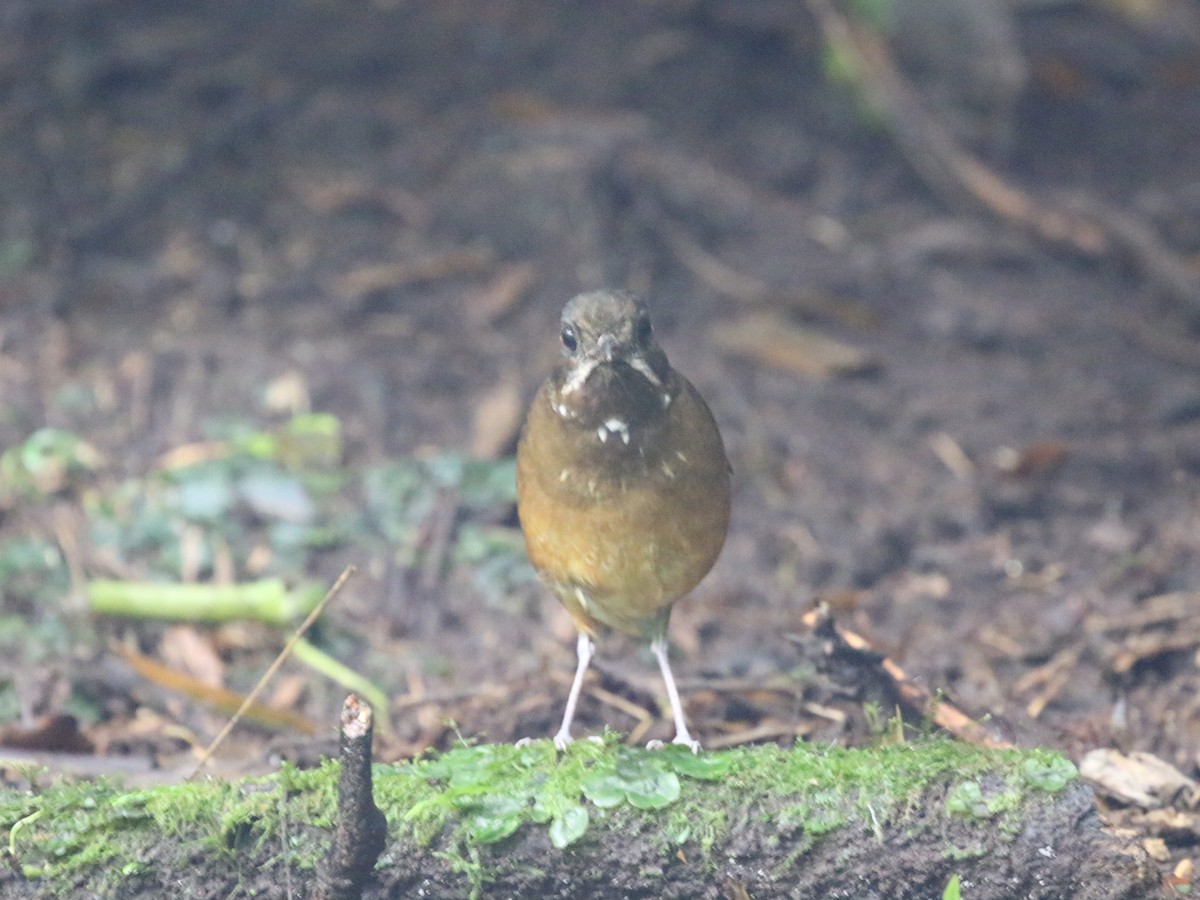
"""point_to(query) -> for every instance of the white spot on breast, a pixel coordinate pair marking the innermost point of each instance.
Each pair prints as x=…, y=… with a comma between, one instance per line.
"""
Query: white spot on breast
x=668, y=471
x=564, y=474
x=618, y=426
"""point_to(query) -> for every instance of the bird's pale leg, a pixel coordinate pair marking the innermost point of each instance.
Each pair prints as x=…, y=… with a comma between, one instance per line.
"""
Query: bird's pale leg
x=659, y=648
x=584, y=649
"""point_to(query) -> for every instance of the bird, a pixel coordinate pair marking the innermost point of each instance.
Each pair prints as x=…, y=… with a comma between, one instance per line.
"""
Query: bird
x=623, y=485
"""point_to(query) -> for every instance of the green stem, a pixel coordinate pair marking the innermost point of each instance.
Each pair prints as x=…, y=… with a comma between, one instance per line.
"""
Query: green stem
x=267, y=600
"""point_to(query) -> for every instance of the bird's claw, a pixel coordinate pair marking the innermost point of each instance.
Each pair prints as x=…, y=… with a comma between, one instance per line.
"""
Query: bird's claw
x=562, y=740
x=682, y=740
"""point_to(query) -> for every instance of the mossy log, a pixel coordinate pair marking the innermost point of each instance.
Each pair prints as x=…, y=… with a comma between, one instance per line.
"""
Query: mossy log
x=601, y=821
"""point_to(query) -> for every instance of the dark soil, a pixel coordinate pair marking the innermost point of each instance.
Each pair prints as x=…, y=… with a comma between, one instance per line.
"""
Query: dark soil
x=195, y=196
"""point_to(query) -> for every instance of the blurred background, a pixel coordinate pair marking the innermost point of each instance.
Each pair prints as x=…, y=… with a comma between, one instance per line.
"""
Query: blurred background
x=278, y=279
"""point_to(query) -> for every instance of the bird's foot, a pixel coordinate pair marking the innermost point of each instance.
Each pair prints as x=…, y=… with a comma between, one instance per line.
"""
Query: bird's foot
x=684, y=740
x=563, y=739
x=687, y=741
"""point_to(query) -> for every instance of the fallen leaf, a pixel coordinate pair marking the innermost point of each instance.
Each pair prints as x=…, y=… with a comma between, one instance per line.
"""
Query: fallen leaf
x=776, y=342
x=221, y=699
x=183, y=647
x=1182, y=873
x=1141, y=779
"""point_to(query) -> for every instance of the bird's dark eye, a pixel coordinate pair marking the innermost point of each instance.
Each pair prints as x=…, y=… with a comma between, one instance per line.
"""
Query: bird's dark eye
x=642, y=330
x=570, y=341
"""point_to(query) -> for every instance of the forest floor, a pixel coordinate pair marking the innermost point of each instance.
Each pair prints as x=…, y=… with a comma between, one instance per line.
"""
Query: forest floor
x=280, y=278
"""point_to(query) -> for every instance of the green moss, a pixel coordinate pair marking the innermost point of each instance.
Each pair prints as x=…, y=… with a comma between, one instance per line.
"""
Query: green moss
x=459, y=802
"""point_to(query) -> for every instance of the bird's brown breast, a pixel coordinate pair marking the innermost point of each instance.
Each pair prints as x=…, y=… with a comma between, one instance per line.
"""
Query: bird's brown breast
x=620, y=529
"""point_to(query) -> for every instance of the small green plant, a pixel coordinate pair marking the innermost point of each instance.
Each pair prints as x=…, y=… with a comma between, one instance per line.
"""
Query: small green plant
x=496, y=789
x=1050, y=775
x=967, y=798
x=886, y=729
x=44, y=464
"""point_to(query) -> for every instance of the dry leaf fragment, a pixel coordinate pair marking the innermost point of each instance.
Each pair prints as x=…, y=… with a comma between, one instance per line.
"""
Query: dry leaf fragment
x=186, y=650
x=1032, y=459
x=222, y=699
x=1157, y=849
x=1138, y=648
x=1171, y=825
x=776, y=342
x=1141, y=779
x=1182, y=873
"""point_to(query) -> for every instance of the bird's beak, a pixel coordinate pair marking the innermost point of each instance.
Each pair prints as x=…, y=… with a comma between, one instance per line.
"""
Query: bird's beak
x=608, y=347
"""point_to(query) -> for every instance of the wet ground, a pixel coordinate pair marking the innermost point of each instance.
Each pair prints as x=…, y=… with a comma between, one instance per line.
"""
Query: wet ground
x=985, y=458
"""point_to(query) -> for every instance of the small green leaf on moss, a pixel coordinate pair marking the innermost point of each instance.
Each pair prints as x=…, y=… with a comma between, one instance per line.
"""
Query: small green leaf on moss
x=704, y=766
x=679, y=829
x=1051, y=775
x=953, y=889
x=568, y=826
x=642, y=779
x=967, y=799
x=655, y=793
x=496, y=818
x=604, y=789
x=488, y=829
x=539, y=812
x=648, y=783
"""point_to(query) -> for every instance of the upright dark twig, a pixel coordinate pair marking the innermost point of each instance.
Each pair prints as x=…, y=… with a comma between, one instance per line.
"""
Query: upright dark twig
x=361, y=827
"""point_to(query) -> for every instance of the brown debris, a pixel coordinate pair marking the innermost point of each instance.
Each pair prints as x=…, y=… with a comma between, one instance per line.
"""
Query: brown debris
x=774, y=341
x=492, y=301
x=54, y=733
x=1167, y=623
x=376, y=277
x=219, y=698
x=1032, y=459
x=843, y=643
x=1140, y=778
x=1085, y=225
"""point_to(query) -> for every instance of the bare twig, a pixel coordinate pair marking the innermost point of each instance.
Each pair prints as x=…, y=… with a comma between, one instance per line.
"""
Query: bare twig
x=1089, y=228
x=273, y=668
x=843, y=642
